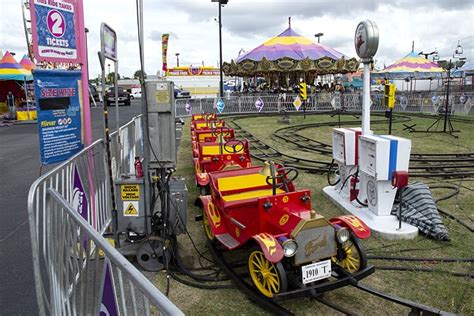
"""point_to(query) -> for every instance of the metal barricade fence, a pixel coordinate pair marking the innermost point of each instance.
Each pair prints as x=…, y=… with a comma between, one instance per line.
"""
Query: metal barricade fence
x=131, y=146
x=66, y=257
x=460, y=103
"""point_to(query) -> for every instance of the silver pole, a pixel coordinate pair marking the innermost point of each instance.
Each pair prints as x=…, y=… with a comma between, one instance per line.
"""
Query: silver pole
x=366, y=100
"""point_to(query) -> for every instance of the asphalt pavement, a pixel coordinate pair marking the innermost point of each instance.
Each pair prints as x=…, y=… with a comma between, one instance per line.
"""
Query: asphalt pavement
x=19, y=168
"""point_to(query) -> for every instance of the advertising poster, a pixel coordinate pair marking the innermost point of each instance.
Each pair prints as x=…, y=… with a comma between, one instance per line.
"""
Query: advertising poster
x=54, y=31
x=59, y=105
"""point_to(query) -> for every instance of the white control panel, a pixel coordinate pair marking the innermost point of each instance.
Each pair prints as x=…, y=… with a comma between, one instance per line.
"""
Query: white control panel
x=344, y=145
x=374, y=156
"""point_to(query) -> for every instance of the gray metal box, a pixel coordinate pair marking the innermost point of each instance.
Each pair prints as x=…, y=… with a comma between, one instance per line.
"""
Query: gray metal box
x=178, y=209
x=161, y=123
x=131, y=205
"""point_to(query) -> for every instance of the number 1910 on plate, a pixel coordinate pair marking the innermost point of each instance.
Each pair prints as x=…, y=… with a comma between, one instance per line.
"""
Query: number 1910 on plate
x=316, y=271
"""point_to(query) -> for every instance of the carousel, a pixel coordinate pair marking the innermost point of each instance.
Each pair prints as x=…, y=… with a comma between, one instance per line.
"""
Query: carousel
x=288, y=59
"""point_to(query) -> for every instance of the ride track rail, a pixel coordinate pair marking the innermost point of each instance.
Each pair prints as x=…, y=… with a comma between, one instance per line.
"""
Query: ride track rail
x=444, y=165
x=274, y=306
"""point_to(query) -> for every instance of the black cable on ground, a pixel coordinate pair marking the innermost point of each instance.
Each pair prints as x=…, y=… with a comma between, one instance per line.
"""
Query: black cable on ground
x=453, y=187
x=448, y=215
x=422, y=269
x=200, y=285
x=377, y=257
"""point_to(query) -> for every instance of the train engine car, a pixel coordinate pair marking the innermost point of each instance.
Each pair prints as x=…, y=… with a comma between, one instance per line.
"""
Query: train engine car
x=291, y=248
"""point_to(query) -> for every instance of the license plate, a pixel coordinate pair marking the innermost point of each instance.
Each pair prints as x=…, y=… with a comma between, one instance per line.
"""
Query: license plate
x=316, y=271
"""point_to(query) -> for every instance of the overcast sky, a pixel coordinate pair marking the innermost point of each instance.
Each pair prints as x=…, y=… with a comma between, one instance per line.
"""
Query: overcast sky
x=432, y=24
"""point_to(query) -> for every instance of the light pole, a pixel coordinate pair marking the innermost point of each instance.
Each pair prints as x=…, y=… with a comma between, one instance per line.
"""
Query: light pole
x=221, y=81
x=449, y=65
x=318, y=35
x=109, y=72
x=177, y=59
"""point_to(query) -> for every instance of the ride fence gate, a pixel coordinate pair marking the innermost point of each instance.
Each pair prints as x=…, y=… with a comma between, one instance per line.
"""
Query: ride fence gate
x=76, y=270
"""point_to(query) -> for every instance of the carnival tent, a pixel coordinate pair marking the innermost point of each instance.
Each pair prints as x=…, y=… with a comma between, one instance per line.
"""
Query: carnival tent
x=27, y=63
x=10, y=69
x=290, y=52
x=411, y=66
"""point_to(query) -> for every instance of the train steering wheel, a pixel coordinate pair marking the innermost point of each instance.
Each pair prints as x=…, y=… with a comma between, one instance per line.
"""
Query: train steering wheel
x=286, y=174
x=233, y=146
x=222, y=130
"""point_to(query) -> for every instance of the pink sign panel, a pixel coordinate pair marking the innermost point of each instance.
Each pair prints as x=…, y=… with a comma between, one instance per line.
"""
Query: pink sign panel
x=54, y=31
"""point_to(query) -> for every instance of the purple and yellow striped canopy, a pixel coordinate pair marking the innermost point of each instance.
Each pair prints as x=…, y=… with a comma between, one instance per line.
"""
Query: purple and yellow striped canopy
x=414, y=65
x=289, y=44
x=10, y=69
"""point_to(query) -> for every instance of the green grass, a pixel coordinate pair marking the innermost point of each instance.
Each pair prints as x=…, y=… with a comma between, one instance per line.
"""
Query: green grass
x=438, y=289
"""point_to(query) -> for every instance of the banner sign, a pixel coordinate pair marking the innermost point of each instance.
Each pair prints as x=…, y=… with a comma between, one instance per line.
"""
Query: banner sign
x=54, y=31
x=193, y=71
x=59, y=107
x=164, y=49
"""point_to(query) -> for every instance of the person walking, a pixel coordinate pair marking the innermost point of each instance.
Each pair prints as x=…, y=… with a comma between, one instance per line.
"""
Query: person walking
x=11, y=104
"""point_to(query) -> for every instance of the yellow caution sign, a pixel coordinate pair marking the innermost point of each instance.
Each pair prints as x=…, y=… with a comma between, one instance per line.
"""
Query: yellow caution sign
x=130, y=208
x=130, y=192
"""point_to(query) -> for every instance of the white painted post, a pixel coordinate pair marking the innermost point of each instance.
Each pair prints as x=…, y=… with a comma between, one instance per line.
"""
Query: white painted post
x=366, y=101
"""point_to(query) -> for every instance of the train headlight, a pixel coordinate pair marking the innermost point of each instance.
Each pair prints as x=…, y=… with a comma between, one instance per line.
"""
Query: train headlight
x=289, y=248
x=343, y=235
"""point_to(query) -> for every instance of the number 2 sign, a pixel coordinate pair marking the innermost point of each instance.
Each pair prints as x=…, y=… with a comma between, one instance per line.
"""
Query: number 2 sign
x=54, y=31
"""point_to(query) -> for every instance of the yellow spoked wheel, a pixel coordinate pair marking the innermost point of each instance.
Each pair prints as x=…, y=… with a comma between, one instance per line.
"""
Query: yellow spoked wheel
x=351, y=256
x=207, y=227
x=269, y=278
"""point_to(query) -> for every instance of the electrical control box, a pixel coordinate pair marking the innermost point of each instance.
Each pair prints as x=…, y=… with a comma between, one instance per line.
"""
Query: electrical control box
x=161, y=123
x=344, y=145
x=178, y=207
x=131, y=215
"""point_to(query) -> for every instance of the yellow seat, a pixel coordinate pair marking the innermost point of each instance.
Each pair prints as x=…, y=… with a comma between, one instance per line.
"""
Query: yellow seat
x=241, y=182
x=214, y=150
x=250, y=195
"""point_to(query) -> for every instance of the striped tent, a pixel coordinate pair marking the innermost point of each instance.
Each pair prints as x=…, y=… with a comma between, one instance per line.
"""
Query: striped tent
x=27, y=63
x=290, y=52
x=10, y=69
x=411, y=66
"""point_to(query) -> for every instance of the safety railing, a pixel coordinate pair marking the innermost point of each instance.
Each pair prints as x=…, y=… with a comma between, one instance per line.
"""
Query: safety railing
x=130, y=146
x=86, y=275
x=460, y=103
x=69, y=210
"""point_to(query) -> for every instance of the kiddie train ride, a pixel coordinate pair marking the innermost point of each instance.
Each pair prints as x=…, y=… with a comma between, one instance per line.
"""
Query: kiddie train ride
x=291, y=248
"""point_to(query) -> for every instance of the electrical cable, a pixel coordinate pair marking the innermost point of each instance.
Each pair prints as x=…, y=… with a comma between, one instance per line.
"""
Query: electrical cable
x=329, y=175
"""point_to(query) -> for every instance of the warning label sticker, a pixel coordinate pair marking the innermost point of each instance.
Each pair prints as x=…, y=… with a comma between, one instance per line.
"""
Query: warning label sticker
x=130, y=192
x=130, y=208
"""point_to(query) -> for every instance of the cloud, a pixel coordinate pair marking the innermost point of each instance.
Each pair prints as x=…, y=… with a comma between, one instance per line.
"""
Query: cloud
x=432, y=24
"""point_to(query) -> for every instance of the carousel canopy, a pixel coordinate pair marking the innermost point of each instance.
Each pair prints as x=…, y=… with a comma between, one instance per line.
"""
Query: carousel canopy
x=11, y=70
x=290, y=52
x=27, y=63
x=412, y=65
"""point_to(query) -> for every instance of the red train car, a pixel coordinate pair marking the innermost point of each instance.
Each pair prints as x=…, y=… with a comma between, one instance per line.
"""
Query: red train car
x=288, y=241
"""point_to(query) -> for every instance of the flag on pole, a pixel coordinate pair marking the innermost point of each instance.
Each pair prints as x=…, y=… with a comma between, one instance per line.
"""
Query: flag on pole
x=164, y=48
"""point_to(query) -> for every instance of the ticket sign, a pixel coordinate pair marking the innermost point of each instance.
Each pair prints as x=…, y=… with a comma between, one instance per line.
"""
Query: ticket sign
x=54, y=31
x=59, y=107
